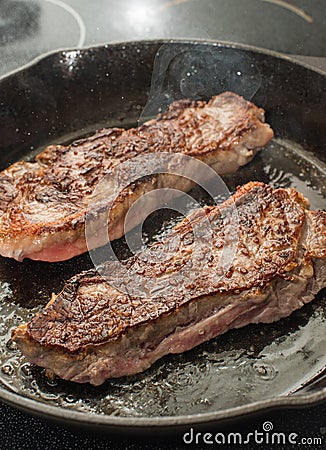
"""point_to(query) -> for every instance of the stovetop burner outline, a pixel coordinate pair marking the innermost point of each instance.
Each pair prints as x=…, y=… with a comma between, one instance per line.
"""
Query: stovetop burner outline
x=282, y=3
x=290, y=7
x=76, y=16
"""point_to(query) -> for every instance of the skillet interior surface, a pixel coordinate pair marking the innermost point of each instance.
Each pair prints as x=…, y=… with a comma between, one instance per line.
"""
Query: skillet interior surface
x=69, y=94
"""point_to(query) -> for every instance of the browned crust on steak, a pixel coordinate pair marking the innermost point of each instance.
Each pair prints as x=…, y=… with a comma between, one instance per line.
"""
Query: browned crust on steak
x=39, y=200
x=272, y=223
x=316, y=240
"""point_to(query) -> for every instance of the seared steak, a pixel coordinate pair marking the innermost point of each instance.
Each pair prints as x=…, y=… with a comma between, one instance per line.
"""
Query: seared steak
x=99, y=327
x=43, y=204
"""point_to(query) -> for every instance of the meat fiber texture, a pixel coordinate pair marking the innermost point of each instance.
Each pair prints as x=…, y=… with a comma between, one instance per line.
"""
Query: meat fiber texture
x=43, y=204
x=261, y=257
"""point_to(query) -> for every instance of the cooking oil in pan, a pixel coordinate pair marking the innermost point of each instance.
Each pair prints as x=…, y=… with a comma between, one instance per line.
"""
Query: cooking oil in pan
x=237, y=368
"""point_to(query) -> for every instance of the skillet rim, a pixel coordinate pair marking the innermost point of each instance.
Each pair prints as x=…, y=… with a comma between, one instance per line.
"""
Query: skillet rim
x=50, y=412
x=40, y=409
x=220, y=43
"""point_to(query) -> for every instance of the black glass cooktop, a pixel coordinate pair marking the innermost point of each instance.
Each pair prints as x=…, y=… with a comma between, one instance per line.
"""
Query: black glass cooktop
x=30, y=28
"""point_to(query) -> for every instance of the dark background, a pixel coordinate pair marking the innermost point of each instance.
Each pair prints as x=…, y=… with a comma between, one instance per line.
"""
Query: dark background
x=19, y=431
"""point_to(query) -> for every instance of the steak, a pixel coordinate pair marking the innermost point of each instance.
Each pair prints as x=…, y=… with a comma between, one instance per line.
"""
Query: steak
x=43, y=204
x=261, y=257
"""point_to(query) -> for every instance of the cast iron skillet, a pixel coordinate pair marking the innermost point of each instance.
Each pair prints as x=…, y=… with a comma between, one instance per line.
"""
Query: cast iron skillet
x=71, y=93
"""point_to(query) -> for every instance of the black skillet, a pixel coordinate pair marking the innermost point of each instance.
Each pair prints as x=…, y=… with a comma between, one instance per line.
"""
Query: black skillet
x=68, y=94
